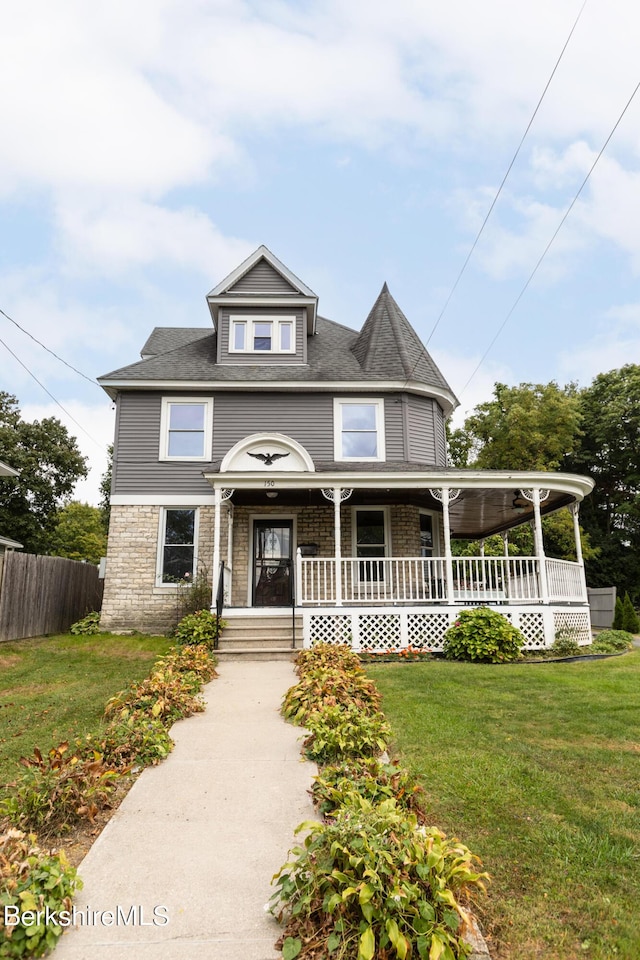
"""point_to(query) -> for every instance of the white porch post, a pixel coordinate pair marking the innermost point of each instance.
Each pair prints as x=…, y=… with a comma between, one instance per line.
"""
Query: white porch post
x=336, y=496
x=447, y=496
x=536, y=496
x=575, y=510
x=217, y=501
x=337, y=535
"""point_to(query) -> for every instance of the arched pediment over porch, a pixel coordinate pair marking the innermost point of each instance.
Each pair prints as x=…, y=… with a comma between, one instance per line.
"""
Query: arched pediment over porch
x=267, y=452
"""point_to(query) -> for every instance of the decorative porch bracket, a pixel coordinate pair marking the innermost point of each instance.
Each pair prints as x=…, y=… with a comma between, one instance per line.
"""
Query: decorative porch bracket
x=447, y=495
x=337, y=496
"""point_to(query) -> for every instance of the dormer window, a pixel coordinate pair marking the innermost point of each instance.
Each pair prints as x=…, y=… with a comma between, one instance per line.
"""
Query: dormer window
x=262, y=335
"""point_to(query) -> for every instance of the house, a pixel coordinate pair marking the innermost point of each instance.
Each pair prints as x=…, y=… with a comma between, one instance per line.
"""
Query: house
x=5, y=542
x=302, y=465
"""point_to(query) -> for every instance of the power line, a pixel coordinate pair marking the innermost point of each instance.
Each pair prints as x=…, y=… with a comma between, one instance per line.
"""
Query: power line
x=48, y=392
x=44, y=347
x=555, y=234
x=504, y=179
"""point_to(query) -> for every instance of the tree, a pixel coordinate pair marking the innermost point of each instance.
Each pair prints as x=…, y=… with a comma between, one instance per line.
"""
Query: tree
x=79, y=533
x=50, y=464
x=105, y=490
x=528, y=427
x=630, y=621
x=609, y=451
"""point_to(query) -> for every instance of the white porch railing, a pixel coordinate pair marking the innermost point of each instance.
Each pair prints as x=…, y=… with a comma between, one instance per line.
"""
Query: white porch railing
x=420, y=580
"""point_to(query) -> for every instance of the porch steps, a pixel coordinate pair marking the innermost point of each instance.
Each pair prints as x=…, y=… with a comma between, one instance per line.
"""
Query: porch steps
x=259, y=638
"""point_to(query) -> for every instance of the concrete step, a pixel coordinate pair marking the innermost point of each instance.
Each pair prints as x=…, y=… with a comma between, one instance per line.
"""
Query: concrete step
x=256, y=653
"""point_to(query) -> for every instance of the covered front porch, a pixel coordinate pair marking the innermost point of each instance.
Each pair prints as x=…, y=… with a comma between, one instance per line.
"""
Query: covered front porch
x=365, y=556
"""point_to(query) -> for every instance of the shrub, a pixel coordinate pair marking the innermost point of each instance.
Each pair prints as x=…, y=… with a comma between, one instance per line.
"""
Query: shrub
x=194, y=594
x=88, y=625
x=565, y=643
x=31, y=880
x=327, y=655
x=59, y=789
x=138, y=741
x=165, y=696
x=630, y=621
x=341, y=784
x=329, y=687
x=618, y=615
x=338, y=733
x=191, y=659
x=197, y=628
x=482, y=635
x=612, y=641
x=375, y=884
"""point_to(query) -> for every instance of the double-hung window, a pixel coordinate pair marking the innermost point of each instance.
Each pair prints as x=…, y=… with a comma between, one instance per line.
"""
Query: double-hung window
x=176, y=554
x=185, y=429
x=262, y=334
x=371, y=543
x=359, y=429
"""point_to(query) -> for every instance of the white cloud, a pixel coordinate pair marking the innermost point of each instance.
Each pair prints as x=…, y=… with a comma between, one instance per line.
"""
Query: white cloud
x=615, y=343
x=458, y=371
x=131, y=234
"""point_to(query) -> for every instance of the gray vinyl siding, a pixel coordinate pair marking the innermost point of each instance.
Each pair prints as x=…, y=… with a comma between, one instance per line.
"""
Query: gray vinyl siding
x=394, y=428
x=426, y=431
x=262, y=278
x=138, y=471
x=441, y=435
x=252, y=359
x=307, y=418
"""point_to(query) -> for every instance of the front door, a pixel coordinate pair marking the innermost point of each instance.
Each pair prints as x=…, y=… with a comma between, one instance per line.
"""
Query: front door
x=272, y=553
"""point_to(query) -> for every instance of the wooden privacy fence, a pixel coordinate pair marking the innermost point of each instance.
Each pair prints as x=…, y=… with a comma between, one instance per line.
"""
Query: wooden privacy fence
x=41, y=595
x=602, y=601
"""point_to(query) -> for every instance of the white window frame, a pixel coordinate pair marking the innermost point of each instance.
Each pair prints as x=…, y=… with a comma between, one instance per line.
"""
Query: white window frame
x=250, y=322
x=167, y=403
x=339, y=404
x=435, y=531
x=354, y=539
x=162, y=529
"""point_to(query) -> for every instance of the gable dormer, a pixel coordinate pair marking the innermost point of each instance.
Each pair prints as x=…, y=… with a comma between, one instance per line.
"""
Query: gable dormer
x=262, y=313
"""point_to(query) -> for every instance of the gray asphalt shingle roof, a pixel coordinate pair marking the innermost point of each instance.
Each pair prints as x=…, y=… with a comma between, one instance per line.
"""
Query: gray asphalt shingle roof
x=387, y=348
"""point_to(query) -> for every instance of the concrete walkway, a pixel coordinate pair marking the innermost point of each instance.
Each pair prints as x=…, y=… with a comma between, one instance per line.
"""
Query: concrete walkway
x=202, y=834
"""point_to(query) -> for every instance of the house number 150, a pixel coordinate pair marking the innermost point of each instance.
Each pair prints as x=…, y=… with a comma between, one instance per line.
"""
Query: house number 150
x=269, y=483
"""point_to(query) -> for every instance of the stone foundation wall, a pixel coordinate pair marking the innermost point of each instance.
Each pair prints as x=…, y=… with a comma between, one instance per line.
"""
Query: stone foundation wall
x=132, y=601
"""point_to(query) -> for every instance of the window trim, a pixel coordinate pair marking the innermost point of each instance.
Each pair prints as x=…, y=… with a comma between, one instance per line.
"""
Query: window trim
x=435, y=531
x=165, y=412
x=354, y=539
x=250, y=321
x=338, y=405
x=162, y=531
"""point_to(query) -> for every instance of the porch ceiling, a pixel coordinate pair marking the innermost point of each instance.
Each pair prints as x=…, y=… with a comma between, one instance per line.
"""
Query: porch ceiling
x=484, y=506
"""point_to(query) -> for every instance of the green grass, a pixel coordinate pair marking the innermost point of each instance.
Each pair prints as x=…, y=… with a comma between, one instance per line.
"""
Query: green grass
x=537, y=768
x=55, y=688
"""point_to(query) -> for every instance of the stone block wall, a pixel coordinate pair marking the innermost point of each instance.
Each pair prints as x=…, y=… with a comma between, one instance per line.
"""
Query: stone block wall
x=132, y=601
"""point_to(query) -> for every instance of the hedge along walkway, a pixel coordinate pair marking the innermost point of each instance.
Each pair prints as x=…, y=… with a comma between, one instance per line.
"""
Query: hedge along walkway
x=202, y=833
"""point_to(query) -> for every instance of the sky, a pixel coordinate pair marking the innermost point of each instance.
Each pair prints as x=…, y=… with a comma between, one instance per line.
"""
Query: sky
x=147, y=148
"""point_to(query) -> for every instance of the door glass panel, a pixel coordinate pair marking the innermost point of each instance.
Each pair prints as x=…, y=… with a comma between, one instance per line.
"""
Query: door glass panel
x=272, y=542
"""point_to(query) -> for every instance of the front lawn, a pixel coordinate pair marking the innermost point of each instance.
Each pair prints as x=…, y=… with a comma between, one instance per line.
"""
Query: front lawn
x=55, y=688
x=536, y=768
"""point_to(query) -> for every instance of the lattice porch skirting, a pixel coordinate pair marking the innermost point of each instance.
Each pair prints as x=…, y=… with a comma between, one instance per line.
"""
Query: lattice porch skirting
x=395, y=628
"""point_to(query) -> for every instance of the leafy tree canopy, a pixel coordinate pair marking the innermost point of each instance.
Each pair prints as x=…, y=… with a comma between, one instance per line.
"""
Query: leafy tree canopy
x=528, y=427
x=79, y=533
x=50, y=464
